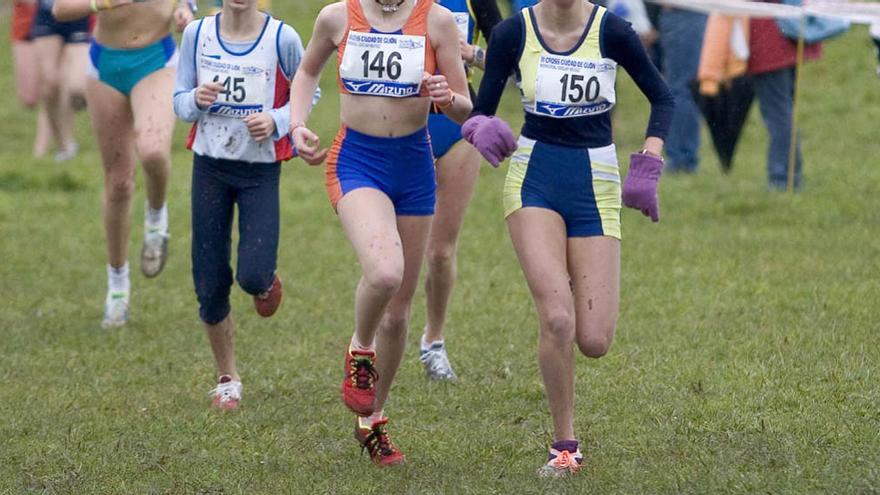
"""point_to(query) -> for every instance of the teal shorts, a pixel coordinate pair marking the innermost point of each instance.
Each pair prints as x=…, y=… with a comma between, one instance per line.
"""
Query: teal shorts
x=123, y=69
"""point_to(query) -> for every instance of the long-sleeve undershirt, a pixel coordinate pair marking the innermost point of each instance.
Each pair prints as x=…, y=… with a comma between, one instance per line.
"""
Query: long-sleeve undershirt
x=618, y=42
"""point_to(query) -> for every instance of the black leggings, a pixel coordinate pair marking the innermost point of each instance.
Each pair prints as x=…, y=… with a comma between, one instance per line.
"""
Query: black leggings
x=217, y=186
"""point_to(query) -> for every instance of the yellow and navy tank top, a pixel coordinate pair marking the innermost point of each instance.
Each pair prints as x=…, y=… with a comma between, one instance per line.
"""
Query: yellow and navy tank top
x=562, y=85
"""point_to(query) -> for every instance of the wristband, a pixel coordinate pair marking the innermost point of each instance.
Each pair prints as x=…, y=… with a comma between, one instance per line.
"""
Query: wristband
x=94, y=5
x=479, y=57
x=107, y=5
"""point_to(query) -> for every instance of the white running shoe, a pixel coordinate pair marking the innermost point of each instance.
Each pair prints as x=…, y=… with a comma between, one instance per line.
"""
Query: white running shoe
x=154, y=253
x=67, y=153
x=561, y=464
x=436, y=362
x=227, y=395
x=115, y=309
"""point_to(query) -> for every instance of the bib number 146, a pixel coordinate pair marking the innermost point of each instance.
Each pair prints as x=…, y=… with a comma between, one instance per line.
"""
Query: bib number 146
x=577, y=88
x=380, y=64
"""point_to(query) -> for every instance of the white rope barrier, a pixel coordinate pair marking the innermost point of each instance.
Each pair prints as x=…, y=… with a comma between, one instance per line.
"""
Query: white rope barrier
x=856, y=12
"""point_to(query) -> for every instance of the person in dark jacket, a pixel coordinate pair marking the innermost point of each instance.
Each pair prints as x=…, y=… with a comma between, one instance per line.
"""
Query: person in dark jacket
x=772, y=63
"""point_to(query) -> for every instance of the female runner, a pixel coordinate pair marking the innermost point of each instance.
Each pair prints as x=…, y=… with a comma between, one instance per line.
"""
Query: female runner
x=61, y=50
x=457, y=164
x=132, y=75
x=234, y=83
x=27, y=75
x=562, y=194
x=380, y=173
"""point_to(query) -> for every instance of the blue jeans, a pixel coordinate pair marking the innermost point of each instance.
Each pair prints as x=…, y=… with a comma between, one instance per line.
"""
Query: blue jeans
x=681, y=40
x=775, y=91
x=217, y=186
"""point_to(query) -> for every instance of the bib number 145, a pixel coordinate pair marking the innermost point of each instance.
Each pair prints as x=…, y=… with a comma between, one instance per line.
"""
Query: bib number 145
x=233, y=88
x=379, y=65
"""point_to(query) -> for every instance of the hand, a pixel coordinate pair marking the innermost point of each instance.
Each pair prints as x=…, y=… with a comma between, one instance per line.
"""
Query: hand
x=261, y=126
x=182, y=16
x=438, y=90
x=467, y=50
x=491, y=136
x=640, y=186
x=308, y=145
x=207, y=93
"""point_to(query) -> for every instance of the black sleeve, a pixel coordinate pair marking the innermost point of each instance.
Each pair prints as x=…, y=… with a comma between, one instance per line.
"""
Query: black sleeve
x=621, y=44
x=505, y=47
x=487, y=15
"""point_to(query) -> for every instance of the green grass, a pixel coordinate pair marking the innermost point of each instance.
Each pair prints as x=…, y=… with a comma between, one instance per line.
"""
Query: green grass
x=746, y=358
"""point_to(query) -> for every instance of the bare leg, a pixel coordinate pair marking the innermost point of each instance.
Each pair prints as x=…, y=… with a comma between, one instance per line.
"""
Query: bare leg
x=76, y=59
x=457, y=173
x=154, y=126
x=539, y=237
x=43, y=139
x=368, y=219
x=391, y=339
x=222, y=337
x=112, y=121
x=49, y=49
x=27, y=75
x=594, y=264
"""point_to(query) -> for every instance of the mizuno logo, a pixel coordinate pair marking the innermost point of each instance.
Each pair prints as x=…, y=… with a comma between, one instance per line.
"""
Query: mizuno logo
x=215, y=57
x=355, y=86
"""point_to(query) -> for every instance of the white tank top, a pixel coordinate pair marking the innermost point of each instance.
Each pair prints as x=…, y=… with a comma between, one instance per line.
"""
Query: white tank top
x=253, y=82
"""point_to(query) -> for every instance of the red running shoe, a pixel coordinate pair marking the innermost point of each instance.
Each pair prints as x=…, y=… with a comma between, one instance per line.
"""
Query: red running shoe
x=376, y=441
x=267, y=303
x=358, y=386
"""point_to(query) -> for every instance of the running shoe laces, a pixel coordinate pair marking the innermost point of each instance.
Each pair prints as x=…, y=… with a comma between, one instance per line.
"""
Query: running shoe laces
x=378, y=443
x=362, y=373
x=562, y=463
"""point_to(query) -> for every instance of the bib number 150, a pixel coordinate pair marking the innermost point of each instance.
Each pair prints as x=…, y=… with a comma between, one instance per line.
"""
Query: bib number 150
x=380, y=64
x=575, y=87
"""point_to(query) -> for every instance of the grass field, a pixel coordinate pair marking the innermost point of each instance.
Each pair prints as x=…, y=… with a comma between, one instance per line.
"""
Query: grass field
x=746, y=359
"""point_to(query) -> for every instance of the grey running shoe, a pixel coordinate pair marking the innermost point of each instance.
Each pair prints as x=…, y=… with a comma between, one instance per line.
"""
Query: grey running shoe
x=436, y=362
x=154, y=253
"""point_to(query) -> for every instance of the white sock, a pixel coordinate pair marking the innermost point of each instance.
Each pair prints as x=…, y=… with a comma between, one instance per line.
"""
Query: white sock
x=369, y=420
x=157, y=219
x=117, y=278
x=427, y=345
x=357, y=346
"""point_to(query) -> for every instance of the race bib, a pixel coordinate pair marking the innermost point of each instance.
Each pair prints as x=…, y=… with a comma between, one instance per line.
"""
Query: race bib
x=463, y=22
x=383, y=64
x=244, y=85
x=571, y=87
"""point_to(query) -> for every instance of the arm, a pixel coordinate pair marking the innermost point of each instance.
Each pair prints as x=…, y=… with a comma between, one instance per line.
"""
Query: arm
x=449, y=89
x=487, y=17
x=501, y=59
x=330, y=20
x=71, y=10
x=622, y=44
x=185, y=85
x=291, y=50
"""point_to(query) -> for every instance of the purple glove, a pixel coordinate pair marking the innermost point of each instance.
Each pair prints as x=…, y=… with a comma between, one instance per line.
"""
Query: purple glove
x=640, y=186
x=491, y=136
